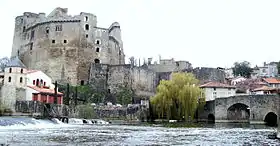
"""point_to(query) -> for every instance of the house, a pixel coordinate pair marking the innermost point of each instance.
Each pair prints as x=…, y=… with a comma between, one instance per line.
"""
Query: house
x=215, y=90
x=264, y=90
x=267, y=70
x=19, y=83
x=238, y=79
x=272, y=82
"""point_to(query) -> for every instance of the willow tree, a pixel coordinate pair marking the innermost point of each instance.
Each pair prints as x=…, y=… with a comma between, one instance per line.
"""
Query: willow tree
x=179, y=97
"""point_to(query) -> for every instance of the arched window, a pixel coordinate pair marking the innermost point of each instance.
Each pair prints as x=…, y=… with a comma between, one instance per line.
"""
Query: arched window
x=21, y=70
x=10, y=70
x=97, y=42
x=96, y=61
x=87, y=27
x=82, y=82
x=10, y=79
x=97, y=50
x=37, y=82
x=86, y=18
x=34, y=82
x=20, y=79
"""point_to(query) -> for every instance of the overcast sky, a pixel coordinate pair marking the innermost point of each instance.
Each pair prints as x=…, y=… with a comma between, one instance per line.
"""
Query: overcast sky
x=205, y=32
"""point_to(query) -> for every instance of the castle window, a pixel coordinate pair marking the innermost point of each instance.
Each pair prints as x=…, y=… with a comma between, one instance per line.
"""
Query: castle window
x=58, y=27
x=82, y=82
x=96, y=61
x=53, y=41
x=21, y=70
x=9, y=79
x=86, y=18
x=20, y=79
x=23, y=29
x=97, y=42
x=47, y=30
x=31, y=46
x=32, y=35
x=86, y=35
x=10, y=70
x=65, y=41
x=87, y=27
x=97, y=49
x=34, y=82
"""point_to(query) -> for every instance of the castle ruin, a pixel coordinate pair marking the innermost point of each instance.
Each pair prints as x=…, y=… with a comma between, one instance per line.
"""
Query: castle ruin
x=64, y=46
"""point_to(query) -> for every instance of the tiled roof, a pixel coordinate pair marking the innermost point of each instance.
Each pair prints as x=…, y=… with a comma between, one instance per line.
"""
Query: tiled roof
x=44, y=90
x=264, y=88
x=15, y=62
x=216, y=85
x=31, y=71
x=271, y=80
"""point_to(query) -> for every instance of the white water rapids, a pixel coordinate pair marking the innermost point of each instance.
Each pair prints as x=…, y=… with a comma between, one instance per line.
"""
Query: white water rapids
x=29, y=132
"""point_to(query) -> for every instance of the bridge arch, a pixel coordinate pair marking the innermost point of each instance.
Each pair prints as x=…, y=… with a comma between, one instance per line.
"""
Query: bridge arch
x=238, y=112
x=270, y=119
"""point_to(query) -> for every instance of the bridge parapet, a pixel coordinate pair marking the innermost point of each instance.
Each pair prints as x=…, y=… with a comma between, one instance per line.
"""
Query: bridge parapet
x=250, y=108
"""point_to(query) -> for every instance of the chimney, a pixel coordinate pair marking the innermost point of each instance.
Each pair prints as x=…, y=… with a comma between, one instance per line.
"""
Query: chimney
x=150, y=61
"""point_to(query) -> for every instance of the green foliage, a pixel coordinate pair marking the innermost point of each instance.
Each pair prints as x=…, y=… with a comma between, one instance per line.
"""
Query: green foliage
x=278, y=67
x=243, y=69
x=86, y=111
x=178, y=97
x=124, y=95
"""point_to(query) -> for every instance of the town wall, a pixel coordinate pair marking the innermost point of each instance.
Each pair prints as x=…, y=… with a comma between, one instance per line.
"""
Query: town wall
x=110, y=77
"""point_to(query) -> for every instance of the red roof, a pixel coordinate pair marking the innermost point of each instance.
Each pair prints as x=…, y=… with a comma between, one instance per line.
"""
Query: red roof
x=216, y=85
x=44, y=90
x=271, y=80
x=31, y=71
x=264, y=88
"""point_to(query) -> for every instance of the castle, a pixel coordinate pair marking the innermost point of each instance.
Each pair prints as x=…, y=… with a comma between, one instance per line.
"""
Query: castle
x=73, y=49
x=64, y=46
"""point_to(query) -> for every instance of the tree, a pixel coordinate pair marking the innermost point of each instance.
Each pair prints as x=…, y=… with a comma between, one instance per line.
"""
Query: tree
x=3, y=63
x=124, y=95
x=243, y=69
x=278, y=67
x=178, y=98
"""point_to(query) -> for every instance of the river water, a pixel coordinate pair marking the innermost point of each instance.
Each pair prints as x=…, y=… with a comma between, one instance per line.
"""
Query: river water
x=27, y=131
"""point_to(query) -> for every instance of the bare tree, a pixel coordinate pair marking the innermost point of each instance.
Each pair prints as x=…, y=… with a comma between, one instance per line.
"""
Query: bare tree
x=3, y=63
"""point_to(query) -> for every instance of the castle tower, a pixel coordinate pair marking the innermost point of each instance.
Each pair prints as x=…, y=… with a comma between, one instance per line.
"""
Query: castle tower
x=63, y=46
x=14, y=77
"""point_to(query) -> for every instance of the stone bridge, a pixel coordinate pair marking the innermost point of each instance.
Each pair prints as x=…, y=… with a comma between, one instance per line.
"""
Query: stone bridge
x=255, y=109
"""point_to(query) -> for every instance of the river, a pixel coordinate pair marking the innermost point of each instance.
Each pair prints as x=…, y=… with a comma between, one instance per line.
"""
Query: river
x=27, y=131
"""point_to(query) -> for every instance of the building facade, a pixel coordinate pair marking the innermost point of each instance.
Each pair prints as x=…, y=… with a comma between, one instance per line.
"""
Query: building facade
x=19, y=83
x=215, y=90
x=64, y=46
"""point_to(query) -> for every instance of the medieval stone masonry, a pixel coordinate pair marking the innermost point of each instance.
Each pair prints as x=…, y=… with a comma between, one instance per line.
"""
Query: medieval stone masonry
x=73, y=49
x=63, y=46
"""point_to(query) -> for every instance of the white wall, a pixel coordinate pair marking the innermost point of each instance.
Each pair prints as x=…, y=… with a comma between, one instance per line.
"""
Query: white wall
x=29, y=92
x=212, y=94
x=15, y=77
x=38, y=75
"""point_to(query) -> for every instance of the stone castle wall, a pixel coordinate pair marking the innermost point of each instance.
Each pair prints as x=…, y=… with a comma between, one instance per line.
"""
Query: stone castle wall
x=110, y=77
x=63, y=46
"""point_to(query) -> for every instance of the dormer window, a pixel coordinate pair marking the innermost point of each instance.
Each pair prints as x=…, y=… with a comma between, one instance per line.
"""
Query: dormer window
x=10, y=70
